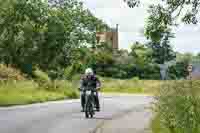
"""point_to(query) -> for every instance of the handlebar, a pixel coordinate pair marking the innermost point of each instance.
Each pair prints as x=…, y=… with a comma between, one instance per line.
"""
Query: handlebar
x=96, y=89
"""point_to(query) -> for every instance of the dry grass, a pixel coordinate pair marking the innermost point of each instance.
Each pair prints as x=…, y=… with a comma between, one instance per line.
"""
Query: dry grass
x=10, y=73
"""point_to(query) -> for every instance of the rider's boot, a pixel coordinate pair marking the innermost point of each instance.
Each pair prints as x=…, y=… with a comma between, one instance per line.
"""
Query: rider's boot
x=98, y=109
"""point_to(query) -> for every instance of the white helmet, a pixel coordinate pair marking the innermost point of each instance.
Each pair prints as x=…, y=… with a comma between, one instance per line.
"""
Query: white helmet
x=89, y=71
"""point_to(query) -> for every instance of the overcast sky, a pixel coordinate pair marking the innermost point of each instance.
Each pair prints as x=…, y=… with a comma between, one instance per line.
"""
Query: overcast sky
x=131, y=22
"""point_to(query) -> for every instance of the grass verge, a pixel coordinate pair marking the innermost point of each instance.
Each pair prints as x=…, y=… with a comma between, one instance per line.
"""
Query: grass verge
x=130, y=86
x=157, y=127
x=28, y=92
x=177, y=107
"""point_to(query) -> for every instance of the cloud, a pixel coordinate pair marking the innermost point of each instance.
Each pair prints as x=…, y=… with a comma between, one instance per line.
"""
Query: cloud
x=104, y=3
x=128, y=22
x=126, y=39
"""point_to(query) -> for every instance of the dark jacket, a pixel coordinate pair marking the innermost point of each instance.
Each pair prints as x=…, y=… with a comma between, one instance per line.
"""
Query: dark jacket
x=89, y=82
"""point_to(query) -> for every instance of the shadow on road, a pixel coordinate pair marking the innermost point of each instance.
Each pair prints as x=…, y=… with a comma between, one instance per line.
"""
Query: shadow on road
x=82, y=116
x=101, y=118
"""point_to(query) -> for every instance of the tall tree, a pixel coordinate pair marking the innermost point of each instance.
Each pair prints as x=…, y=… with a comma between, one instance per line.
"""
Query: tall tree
x=23, y=24
x=45, y=33
x=162, y=52
x=186, y=10
x=158, y=31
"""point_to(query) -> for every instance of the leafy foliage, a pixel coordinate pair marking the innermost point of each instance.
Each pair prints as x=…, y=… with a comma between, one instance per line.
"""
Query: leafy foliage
x=158, y=31
x=41, y=76
x=58, y=38
x=163, y=16
x=178, y=106
x=44, y=34
x=187, y=10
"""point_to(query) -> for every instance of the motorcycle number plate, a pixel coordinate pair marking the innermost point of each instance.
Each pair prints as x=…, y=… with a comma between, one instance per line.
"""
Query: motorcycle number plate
x=88, y=92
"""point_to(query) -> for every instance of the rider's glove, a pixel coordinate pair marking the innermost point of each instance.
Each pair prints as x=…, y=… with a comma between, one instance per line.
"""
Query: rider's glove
x=98, y=88
x=79, y=89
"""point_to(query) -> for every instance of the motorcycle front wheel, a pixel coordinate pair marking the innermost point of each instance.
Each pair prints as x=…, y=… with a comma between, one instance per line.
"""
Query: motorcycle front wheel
x=89, y=111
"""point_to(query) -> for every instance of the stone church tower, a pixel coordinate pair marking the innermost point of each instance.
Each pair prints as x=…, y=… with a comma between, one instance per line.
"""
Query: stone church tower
x=111, y=37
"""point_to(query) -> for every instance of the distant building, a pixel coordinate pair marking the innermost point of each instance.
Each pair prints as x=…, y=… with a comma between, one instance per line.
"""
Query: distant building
x=110, y=37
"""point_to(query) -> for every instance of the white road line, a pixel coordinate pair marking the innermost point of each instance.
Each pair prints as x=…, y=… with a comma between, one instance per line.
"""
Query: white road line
x=39, y=104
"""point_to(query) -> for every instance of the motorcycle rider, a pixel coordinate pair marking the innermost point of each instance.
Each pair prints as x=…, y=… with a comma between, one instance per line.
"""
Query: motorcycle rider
x=89, y=80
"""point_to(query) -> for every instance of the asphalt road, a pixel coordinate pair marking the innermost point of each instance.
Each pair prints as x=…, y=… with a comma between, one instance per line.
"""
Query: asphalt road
x=65, y=116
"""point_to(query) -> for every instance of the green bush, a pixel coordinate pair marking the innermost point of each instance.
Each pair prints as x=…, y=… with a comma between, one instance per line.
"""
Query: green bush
x=41, y=76
x=76, y=77
x=72, y=93
x=178, y=106
x=135, y=78
x=43, y=80
x=68, y=72
x=73, y=70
